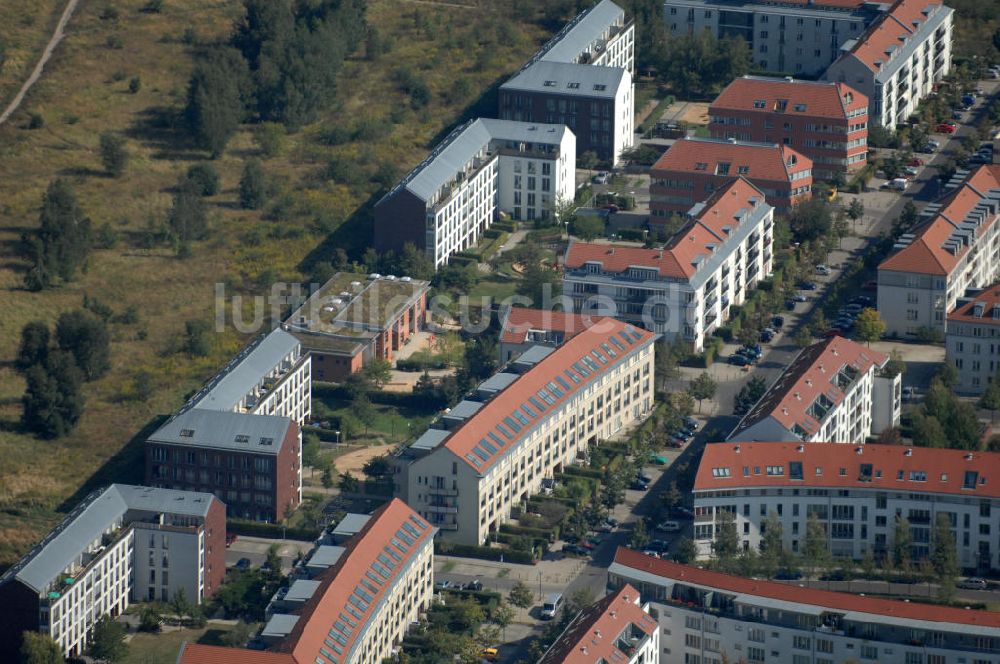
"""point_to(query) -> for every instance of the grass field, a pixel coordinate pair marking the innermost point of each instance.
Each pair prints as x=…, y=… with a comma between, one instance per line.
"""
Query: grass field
x=83, y=92
x=25, y=27
x=162, y=648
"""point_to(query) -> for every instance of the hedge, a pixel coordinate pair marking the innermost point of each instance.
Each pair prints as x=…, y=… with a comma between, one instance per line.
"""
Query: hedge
x=381, y=397
x=502, y=225
x=445, y=548
x=583, y=471
x=326, y=435
x=270, y=530
x=417, y=364
x=526, y=531
x=509, y=538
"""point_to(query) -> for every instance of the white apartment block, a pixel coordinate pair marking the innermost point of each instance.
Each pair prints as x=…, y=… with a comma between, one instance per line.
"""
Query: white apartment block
x=357, y=610
x=120, y=545
x=857, y=493
x=685, y=289
x=465, y=481
x=616, y=628
x=972, y=343
x=833, y=391
x=898, y=60
x=800, y=38
x=708, y=618
x=956, y=249
x=482, y=169
x=600, y=36
x=271, y=376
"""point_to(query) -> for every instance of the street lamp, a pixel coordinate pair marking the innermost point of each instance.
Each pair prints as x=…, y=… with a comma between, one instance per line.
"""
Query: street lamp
x=539, y=584
x=338, y=437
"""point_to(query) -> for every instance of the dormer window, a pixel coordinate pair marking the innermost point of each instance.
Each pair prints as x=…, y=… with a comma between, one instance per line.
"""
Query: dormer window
x=759, y=103
x=801, y=108
x=722, y=168
x=743, y=170
x=573, y=86
x=549, y=84
x=600, y=87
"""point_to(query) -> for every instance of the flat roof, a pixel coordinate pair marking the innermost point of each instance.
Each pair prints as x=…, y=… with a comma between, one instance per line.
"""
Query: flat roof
x=301, y=590
x=497, y=382
x=569, y=79
x=95, y=515
x=225, y=390
x=351, y=524
x=534, y=355
x=241, y=432
x=582, y=32
x=278, y=627
x=355, y=306
x=430, y=439
x=464, y=408
x=325, y=556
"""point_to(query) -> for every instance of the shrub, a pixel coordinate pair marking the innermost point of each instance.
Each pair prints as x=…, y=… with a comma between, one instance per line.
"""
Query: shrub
x=444, y=547
x=205, y=179
x=270, y=530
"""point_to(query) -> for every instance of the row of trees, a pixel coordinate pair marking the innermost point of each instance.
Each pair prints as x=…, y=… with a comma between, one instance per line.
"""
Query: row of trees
x=943, y=420
x=282, y=65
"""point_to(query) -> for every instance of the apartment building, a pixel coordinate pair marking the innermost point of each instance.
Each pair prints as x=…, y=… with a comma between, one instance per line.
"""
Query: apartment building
x=801, y=37
x=120, y=545
x=616, y=628
x=827, y=122
x=955, y=249
x=709, y=617
x=482, y=169
x=522, y=328
x=582, y=78
x=972, y=342
x=685, y=289
x=857, y=493
x=466, y=479
x=252, y=462
x=351, y=321
x=271, y=376
x=361, y=607
x=833, y=391
x=693, y=168
x=898, y=60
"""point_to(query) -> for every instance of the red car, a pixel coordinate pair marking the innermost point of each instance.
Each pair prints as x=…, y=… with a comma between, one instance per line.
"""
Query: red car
x=916, y=161
x=945, y=128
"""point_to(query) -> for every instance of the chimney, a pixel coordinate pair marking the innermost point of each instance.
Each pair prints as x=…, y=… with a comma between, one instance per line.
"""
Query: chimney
x=968, y=457
x=800, y=449
x=908, y=452
x=857, y=450
x=736, y=449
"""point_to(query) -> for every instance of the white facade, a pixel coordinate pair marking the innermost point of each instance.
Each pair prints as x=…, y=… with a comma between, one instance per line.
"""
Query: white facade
x=708, y=618
x=897, y=75
x=688, y=304
x=972, y=343
x=468, y=491
x=789, y=39
x=466, y=209
x=531, y=182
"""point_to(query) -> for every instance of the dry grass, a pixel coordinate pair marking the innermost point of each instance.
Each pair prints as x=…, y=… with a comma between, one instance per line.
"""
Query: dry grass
x=84, y=92
x=25, y=27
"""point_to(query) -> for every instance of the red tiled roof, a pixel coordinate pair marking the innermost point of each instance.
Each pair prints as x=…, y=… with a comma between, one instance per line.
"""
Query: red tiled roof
x=600, y=337
x=821, y=99
x=520, y=321
x=989, y=299
x=196, y=653
x=809, y=375
x=889, y=31
x=678, y=260
x=592, y=635
x=338, y=583
x=790, y=593
x=944, y=469
x=764, y=161
x=926, y=253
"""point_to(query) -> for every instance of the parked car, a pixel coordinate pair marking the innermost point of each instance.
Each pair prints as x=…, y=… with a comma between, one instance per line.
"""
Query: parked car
x=766, y=335
x=916, y=161
x=445, y=585
x=822, y=269
x=690, y=423
x=945, y=128
x=898, y=184
x=788, y=574
x=475, y=584
x=833, y=332
x=777, y=322
x=909, y=393
x=956, y=115
x=754, y=350
x=800, y=297
x=973, y=583
x=806, y=285
x=576, y=550
x=863, y=300
x=739, y=360
x=658, y=545
x=835, y=575
x=669, y=527
x=243, y=563
x=911, y=171
x=489, y=654
x=601, y=178
x=790, y=305
x=681, y=513
x=658, y=460
x=643, y=477
x=636, y=485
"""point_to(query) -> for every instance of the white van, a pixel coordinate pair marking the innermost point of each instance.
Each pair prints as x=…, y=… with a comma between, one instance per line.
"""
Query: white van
x=553, y=602
x=899, y=184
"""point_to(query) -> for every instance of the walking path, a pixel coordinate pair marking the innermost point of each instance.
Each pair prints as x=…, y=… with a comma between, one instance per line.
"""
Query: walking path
x=36, y=73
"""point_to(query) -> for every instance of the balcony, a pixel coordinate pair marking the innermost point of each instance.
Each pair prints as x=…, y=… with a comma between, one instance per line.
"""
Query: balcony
x=441, y=509
x=441, y=491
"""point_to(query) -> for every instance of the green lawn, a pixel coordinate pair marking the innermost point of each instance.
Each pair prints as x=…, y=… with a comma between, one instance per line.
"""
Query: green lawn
x=145, y=648
x=493, y=286
x=392, y=424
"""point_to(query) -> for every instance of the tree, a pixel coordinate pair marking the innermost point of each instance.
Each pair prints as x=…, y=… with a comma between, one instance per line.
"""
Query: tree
x=114, y=153
x=481, y=356
x=86, y=337
x=771, y=544
x=187, y=217
x=540, y=284
x=895, y=366
x=671, y=498
x=870, y=326
x=990, y=399
x=803, y=337
x=503, y=615
x=749, y=395
x=38, y=648
x=237, y=636
x=327, y=478
x=52, y=401
x=811, y=221
x=34, y=348
x=180, y=605
x=273, y=561
x=944, y=555
x=150, y=619
x=902, y=543
x=377, y=467
x=270, y=138
x=217, y=95
x=349, y=483
x=589, y=160
x=587, y=227
x=311, y=449
x=928, y=432
x=415, y=263
x=107, y=640
x=62, y=243
x=197, y=340
x=701, y=388
x=856, y=210
x=205, y=179
x=253, y=186
x=685, y=551
x=727, y=541
x=378, y=371
x=521, y=596
x=816, y=550
x=890, y=436
x=639, y=537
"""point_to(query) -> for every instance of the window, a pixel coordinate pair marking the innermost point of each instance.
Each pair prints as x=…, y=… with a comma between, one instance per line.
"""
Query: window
x=721, y=472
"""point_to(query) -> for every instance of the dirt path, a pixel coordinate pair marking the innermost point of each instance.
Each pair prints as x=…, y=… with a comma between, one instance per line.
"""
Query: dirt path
x=353, y=462
x=36, y=73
